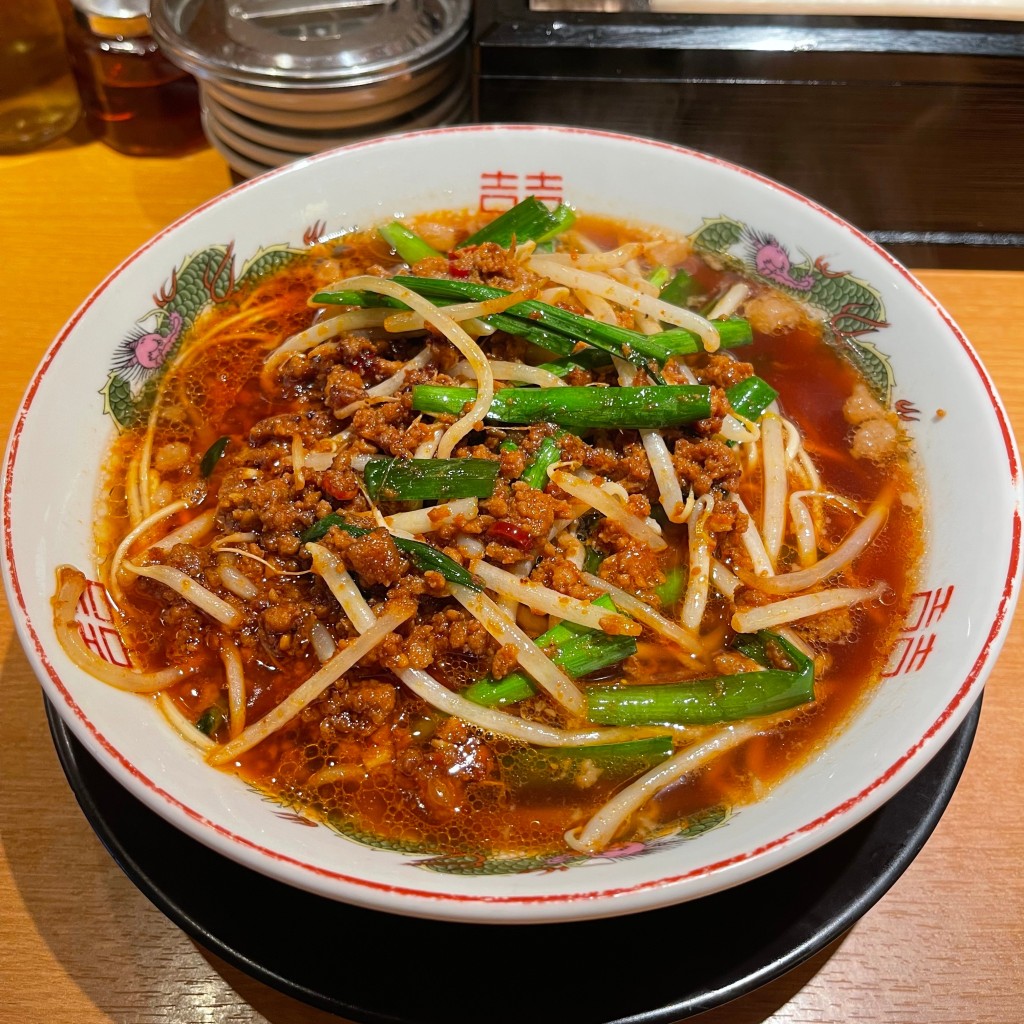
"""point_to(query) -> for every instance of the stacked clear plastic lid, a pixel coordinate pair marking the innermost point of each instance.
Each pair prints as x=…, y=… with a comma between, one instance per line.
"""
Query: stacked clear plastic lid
x=280, y=78
x=309, y=44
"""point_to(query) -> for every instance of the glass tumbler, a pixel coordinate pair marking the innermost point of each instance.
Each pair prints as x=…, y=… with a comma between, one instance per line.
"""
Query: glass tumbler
x=39, y=100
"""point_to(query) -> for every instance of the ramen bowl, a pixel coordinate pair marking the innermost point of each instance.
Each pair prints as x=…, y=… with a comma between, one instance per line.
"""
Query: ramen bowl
x=922, y=363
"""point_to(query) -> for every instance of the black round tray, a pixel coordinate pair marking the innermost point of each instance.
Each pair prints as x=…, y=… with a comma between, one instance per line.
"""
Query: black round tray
x=656, y=967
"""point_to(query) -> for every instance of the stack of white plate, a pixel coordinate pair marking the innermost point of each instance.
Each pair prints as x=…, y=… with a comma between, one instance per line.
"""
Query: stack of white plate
x=280, y=79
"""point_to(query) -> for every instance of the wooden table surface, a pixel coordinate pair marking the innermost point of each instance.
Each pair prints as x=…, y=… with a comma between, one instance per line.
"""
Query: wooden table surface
x=80, y=943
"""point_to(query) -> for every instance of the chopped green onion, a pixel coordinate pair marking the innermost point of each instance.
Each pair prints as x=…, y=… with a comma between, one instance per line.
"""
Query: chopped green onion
x=752, y=645
x=590, y=652
x=321, y=527
x=592, y=559
x=508, y=445
x=352, y=297
x=428, y=558
x=749, y=398
x=552, y=342
x=492, y=693
x=671, y=590
x=563, y=629
x=563, y=217
x=406, y=243
x=733, y=331
x=659, y=276
x=549, y=327
x=578, y=655
x=423, y=556
x=528, y=221
x=430, y=479
x=531, y=314
x=548, y=453
x=680, y=289
x=531, y=331
x=211, y=720
x=578, y=650
x=585, y=359
x=706, y=701
x=212, y=456
x=566, y=630
x=622, y=408
x=537, y=335
x=576, y=765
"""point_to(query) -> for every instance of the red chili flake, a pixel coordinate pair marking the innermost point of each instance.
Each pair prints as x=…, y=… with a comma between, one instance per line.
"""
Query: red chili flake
x=509, y=533
x=457, y=271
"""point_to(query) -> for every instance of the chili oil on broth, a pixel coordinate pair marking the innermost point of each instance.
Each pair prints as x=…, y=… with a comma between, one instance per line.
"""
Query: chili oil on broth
x=411, y=776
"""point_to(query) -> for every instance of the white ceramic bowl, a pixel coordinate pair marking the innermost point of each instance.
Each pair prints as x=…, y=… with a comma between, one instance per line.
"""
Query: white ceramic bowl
x=967, y=593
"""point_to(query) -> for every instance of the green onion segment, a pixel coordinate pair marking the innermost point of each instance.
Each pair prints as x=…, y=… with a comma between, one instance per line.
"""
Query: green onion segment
x=528, y=221
x=749, y=398
x=680, y=289
x=548, y=453
x=423, y=556
x=429, y=479
x=576, y=765
x=577, y=649
x=579, y=408
x=550, y=327
x=707, y=701
x=212, y=456
x=406, y=243
x=620, y=341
